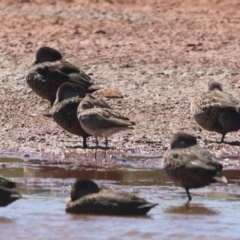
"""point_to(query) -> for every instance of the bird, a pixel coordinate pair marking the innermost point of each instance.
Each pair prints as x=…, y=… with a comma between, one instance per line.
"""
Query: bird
x=101, y=122
x=7, y=183
x=216, y=110
x=189, y=165
x=64, y=109
x=87, y=198
x=7, y=195
x=49, y=70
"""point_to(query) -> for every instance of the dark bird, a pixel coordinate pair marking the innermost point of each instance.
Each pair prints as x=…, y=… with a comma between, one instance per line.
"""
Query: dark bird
x=101, y=122
x=7, y=195
x=216, y=110
x=64, y=110
x=190, y=166
x=49, y=71
x=87, y=198
x=6, y=183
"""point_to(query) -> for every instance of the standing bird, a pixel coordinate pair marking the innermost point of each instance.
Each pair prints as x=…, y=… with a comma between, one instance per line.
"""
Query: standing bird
x=189, y=165
x=49, y=70
x=101, y=122
x=64, y=109
x=87, y=198
x=7, y=195
x=216, y=110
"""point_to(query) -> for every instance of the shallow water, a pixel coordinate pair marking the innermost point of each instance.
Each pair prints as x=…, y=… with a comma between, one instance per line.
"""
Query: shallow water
x=213, y=213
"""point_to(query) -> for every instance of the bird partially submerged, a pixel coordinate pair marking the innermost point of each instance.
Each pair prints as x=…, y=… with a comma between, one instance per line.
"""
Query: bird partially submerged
x=87, y=198
x=216, y=110
x=7, y=194
x=190, y=166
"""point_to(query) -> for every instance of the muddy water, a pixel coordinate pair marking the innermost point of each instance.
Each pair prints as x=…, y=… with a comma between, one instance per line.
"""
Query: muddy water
x=213, y=214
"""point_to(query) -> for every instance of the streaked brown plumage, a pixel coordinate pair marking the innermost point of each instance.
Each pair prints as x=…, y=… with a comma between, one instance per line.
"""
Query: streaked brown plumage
x=216, y=110
x=190, y=166
x=49, y=70
x=101, y=122
x=87, y=198
x=64, y=110
x=7, y=195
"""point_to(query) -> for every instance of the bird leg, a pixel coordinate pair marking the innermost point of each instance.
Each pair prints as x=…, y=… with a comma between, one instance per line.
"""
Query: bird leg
x=96, y=147
x=188, y=193
x=84, y=142
x=223, y=136
x=106, y=145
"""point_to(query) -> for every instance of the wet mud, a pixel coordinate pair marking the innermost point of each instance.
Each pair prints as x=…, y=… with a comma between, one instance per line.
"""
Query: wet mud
x=158, y=54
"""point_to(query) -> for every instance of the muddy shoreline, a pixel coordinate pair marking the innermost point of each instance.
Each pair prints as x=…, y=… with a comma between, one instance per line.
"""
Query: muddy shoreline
x=158, y=54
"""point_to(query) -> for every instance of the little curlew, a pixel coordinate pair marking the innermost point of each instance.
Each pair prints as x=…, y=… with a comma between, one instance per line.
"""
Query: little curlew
x=101, y=122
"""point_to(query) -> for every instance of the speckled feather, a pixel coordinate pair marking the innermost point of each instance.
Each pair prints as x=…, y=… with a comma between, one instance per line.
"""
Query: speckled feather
x=192, y=167
x=216, y=111
x=65, y=115
x=189, y=165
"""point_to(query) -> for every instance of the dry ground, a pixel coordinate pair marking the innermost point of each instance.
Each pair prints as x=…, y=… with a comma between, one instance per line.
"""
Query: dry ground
x=159, y=54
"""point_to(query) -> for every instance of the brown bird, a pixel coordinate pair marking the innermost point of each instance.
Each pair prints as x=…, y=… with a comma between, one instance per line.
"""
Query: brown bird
x=216, y=110
x=49, y=71
x=189, y=165
x=64, y=110
x=7, y=195
x=101, y=122
x=87, y=198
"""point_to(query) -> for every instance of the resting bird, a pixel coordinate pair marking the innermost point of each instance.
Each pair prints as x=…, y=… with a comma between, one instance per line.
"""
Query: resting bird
x=49, y=70
x=216, y=110
x=189, y=165
x=87, y=198
x=7, y=195
x=64, y=110
x=6, y=183
x=101, y=122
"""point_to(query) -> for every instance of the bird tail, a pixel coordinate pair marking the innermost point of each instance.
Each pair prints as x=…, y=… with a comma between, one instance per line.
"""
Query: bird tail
x=221, y=179
x=148, y=205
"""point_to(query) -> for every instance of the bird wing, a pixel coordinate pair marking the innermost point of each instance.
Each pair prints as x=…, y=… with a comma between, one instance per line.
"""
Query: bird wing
x=225, y=99
x=200, y=158
x=79, y=79
x=115, y=118
x=99, y=118
x=98, y=102
x=191, y=158
x=69, y=68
